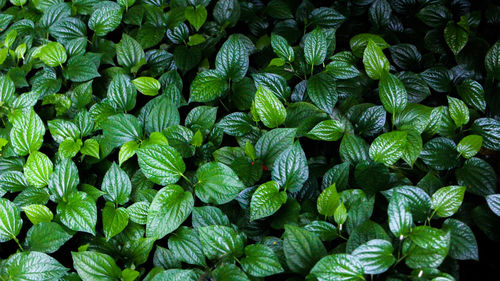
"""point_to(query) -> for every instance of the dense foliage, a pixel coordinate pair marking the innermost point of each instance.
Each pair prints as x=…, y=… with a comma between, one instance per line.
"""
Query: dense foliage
x=235, y=140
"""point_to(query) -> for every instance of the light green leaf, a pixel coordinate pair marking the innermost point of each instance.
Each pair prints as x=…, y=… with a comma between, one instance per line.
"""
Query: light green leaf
x=328, y=201
x=64, y=180
x=37, y=213
x=10, y=220
x=26, y=135
x=328, y=130
x=447, y=200
x=196, y=16
x=269, y=108
x=266, y=200
x=147, y=85
x=114, y=220
x=470, y=145
x=388, y=147
x=90, y=148
x=53, y=54
x=126, y=151
x=400, y=217
x=38, y=169
x=171, y=206
x=376, y=64
x=459, y=111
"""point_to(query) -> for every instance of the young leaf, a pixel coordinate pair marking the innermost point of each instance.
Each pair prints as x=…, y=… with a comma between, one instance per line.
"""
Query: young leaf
x=270, y=109
x=376, y=64
x=447, y=200
x=95, y=266
x=266, y=200
x=470, y=145
x=315, y=47
x=217, y=183
x=161, y=164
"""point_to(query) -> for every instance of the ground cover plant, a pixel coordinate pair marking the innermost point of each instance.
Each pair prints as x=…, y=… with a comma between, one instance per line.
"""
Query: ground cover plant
x=249, y=140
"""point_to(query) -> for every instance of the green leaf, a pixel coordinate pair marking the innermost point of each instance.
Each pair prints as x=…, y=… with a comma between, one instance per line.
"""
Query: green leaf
x=138, y=212
x=277, y=84
x=376, y=64
x=53, y=54
x=302, y=249
x=392, y=93
x=328, y=201
x=208, y=85
x=315, y=47
x=38, y=169
x=489, y=129
x=492, y=61
x=220, y=242
x=64, y=180
x=80, y=69
x=121, y=128
x=472, y=93
x=290, y=170
x=400, y=217
x=353, y=149
x=121, y=93
x=91, y=148
x=260, y=261
x=375, y=256
x=456, y=37
x=10, y=220
x=458, y=111
x=272, y=143
x=217, y=183
x=229, y=272
x=114, y=220
x=269, y=108
x=440, y=154
x=470, y=145
x=185, y=243
x=388, y=147
x=117, y=185
x=447, y=200
x=328, y=130
x=494, y=203
x=478, y=176
x=29, y=265
x=282, y=48
x=105, y=18
x=359, y=42
x=161, y=164
x=196, y=16
x=95, y=266
x=37, y=213
x=129, y=53
x=27, y=133
x=322, y=90
x=412, y=148
x=232, y=59
x=127, y=151
x=266, y=200
x=338, y=267
x=46, y=237
x=170, y=207
x=463, y=245
x=78, y=212
x=147, y=85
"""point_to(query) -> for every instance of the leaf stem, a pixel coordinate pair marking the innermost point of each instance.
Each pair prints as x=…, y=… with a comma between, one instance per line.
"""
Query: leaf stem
x=18, y=244
x=183, y=176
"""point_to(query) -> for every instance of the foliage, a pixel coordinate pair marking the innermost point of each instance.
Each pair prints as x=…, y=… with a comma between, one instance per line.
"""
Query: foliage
x=237, y=140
